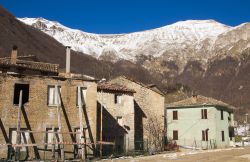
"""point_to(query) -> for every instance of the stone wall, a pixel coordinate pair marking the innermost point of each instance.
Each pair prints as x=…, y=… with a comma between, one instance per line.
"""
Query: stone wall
x=120, y=133
x=148, y=105
x=38, y=116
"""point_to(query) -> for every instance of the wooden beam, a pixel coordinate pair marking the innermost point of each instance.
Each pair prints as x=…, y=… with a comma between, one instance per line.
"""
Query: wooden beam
x=18, y=136
x=81, y=122
x=59, y=121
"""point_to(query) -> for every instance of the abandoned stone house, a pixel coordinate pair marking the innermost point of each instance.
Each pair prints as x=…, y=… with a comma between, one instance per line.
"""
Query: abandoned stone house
x=148, y=107
x=117, y=106
x=40, y=83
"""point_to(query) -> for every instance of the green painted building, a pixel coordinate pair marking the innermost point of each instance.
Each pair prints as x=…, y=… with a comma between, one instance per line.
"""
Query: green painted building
x=200, y=122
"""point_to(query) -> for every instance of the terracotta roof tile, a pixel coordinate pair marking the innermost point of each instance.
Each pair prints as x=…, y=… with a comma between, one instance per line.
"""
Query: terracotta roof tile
x=39, y=66
x=114, y=87
x=199, y=101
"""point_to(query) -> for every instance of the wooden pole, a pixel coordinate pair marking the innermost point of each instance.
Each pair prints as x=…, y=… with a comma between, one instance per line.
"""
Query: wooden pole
x=81, y=123
x=59, y=121
x=53, y=141
x=101, y=124
x=18, y=136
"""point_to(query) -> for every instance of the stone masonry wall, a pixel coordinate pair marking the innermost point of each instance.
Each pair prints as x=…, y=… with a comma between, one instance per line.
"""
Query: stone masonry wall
x=148, y=104
x=125, y=109
x=38, y=115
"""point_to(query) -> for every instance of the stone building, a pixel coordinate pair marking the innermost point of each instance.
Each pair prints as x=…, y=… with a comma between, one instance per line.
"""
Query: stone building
x=200, y=122
x=39, y=114
x=149, y=113
x=117, y=104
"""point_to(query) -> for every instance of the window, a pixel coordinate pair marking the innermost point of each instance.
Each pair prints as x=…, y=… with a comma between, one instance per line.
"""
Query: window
x=83, y=93
x=221, y=115
x=175, y=115
x=17, y=89
x=175, y=135
x=222, y=136
x=203, y=113
x=52, y=95
x=119, y=120
x=118, y=99
x=205, y=135
x=51, y=138
x=24, y=138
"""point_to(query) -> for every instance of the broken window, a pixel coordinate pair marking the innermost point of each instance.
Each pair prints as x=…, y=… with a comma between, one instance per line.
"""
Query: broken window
x=175, y=135
x=24, y=137
x=119, y=120
x=118, y=99
x=52, y=95
x=17, y=89
x=83, y=93
x=203, y=113
x=175, y=115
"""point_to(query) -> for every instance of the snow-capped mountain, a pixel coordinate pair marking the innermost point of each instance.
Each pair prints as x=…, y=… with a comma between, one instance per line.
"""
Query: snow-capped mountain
x=184, y=39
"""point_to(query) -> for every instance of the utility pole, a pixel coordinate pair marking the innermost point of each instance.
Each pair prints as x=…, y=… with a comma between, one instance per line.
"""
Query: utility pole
x=18, y=131
x=246, y=128
x=101, y=113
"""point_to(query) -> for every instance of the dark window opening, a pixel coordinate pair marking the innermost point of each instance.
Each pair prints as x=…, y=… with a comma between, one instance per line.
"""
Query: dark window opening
x=203, y=113
x=175, y=115
x=221, y=115
x=17, y=90
x=116, y=98
x=205, y=135
x=222, y=136
x=175, y=135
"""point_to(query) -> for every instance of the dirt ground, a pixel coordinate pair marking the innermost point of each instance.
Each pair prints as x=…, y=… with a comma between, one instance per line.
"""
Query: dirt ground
x=218, y=155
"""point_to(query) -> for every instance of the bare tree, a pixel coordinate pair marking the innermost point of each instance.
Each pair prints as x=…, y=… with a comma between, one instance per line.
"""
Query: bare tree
x=155, y=130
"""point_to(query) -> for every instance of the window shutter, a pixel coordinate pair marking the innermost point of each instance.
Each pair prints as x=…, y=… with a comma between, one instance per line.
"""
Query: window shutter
x=51, y=95
x=205, y=113
x=175, y=115
x=222, y=136
x=202, y=117
x=206, y=135
x=175, y=135
x=221, y=115
x=203, y=135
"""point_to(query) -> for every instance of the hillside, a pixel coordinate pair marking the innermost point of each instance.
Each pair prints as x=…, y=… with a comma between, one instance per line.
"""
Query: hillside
x=205, y=56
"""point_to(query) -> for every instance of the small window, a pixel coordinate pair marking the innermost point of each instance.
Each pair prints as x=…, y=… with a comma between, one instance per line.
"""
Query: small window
x=118, y=99
x=83, y=93
x=52, y=95
x=222, y=136
x=52, y=137
x=175, y=135
x=221, y=115
x=119, y=120
x=17, y=89
x=203, y=113
x=175, y=115
x=205, y=135
x=24, y=137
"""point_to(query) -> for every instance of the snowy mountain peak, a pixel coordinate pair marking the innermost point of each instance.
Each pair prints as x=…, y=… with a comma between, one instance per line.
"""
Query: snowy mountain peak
x=182, y=35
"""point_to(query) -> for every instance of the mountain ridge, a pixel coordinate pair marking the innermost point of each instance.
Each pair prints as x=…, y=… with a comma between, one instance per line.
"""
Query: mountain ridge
x=128, y=46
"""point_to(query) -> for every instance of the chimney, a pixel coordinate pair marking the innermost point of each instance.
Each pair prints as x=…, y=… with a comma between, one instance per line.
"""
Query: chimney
x=67, y=59
x=13, y=55
x=194, y=98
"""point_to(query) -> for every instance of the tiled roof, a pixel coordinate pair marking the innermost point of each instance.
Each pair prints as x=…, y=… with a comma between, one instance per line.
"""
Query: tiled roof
x=152, y=87
x=199, y=101
x=32, y=65
x=114, y=87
